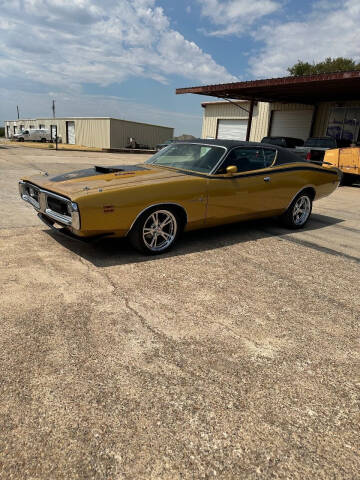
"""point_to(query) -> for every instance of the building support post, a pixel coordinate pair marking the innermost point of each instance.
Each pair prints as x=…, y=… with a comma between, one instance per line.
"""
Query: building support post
x=250, y=120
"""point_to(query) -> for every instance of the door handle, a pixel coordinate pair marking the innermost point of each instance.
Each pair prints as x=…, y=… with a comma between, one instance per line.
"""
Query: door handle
x=267, y=179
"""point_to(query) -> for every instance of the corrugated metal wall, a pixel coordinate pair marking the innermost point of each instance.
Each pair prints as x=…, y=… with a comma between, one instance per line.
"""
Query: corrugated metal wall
x=261, y=117
x=89, y=132
x=61, y=129
x=103, y=132
x=260, y=126
x=145, y=134
x=216, y=111
x=93, y=132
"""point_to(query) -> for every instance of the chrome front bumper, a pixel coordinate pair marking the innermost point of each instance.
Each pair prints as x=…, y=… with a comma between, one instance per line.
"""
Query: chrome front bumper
x=41, y=200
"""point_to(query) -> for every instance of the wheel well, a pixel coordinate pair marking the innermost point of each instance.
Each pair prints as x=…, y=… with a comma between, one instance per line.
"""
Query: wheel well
x=311, y=192
x=178, y=209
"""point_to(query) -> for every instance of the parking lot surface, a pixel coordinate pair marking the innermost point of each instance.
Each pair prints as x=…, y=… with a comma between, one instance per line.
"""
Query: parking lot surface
x=233, y=356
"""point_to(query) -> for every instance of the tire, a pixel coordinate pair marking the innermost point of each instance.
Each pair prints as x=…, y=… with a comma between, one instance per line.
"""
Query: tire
x=148, y=237
x=346, y=180
x=43, y=140
x=297, y=215
x=21, y=139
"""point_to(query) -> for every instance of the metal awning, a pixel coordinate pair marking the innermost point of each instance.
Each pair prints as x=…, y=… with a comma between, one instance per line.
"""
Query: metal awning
x=310, y=89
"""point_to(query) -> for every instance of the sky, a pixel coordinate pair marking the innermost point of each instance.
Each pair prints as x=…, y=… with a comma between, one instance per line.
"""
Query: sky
x=125, y=58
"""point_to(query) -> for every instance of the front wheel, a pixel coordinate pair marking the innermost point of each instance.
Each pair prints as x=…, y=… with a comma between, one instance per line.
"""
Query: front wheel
x=155, y=231
x=299, y=211
x=43, y=140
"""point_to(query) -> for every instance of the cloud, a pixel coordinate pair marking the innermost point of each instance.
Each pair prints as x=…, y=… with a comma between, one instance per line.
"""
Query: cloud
x=235, y=16
x=65, y=43
x=331, y=30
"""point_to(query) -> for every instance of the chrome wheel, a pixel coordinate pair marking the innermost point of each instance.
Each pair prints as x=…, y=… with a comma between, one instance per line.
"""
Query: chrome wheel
x=159, y=230
x=301, y=210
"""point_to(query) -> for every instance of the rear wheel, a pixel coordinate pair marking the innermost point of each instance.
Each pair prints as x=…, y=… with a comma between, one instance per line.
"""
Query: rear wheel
x=346, y=179
x=297, y=215
x=43, y=140
x=21, y=139
x=155, y=231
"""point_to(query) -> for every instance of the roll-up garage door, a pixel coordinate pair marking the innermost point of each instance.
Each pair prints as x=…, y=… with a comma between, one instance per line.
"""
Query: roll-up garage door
x=296, y=124
x=232, y=129
x=70, y=133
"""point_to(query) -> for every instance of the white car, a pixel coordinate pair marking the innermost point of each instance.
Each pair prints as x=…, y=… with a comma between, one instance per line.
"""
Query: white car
x=34, y=135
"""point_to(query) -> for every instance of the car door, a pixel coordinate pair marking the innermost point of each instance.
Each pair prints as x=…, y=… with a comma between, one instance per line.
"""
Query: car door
x=250, y=193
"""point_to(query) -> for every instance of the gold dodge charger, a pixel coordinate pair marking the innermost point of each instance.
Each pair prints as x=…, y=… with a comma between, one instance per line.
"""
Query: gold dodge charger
x=185, y=186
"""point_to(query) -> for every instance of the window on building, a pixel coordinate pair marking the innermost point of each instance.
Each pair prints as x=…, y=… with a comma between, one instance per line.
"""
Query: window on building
x=41, y=126
x=344, y=123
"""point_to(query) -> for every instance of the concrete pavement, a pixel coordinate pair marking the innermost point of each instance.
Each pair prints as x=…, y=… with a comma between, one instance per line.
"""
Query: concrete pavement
x=234, y=356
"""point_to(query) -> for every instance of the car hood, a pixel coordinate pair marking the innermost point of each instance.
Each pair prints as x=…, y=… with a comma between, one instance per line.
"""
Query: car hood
x=91, y=179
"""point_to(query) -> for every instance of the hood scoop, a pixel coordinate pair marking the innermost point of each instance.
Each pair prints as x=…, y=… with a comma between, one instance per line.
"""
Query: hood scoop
x=101, y=169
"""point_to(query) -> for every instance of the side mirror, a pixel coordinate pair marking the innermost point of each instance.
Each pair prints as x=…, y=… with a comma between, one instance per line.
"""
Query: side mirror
x=231, y=169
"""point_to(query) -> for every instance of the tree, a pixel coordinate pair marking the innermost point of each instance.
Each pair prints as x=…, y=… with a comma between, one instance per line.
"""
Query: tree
x=329, y=65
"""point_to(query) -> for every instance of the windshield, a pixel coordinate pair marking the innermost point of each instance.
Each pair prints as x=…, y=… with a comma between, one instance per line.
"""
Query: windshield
x=189, y=156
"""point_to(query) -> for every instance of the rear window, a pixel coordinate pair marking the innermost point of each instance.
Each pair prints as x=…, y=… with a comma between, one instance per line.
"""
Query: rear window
x=274, y=141
x=320, y=142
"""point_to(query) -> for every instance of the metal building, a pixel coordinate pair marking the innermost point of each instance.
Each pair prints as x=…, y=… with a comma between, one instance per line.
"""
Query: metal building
x=314, y=105
x=228, y=121
x=99, y=132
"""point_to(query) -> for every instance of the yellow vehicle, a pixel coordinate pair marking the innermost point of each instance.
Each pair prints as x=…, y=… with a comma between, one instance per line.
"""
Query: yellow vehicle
x=185, y=186
x=347, y=160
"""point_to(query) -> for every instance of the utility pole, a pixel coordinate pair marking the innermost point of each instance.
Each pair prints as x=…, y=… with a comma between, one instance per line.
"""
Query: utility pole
x=56, y=136
x=18, y=113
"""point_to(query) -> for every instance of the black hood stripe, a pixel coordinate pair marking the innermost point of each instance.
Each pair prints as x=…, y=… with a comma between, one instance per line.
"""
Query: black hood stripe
x=92, y=172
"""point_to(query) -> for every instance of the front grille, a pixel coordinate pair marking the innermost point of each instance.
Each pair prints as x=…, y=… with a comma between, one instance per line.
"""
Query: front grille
x=58, y=206
x=54, y=206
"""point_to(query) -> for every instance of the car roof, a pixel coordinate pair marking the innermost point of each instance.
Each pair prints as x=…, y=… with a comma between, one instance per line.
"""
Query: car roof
x=224, y=143
x=284, y=155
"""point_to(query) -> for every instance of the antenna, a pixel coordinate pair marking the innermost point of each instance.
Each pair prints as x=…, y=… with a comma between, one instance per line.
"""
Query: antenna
x=18, y=113
x=53, y=108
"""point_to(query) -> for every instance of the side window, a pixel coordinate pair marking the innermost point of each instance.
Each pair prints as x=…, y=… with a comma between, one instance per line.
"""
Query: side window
x=245, y=159
x=269, y=156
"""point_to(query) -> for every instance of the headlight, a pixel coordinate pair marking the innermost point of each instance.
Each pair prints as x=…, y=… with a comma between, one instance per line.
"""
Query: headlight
x=73, y=210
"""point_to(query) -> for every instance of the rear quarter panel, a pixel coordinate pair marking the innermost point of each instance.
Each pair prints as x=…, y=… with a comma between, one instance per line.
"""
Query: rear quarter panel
x=292, y=178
